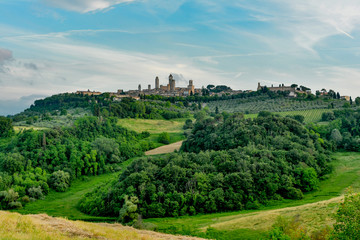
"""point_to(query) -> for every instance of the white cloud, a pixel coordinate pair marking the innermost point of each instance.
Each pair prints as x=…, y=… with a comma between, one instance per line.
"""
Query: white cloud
x=310, y=22
x=85, y=6
x=5, y=55
x=59, y=64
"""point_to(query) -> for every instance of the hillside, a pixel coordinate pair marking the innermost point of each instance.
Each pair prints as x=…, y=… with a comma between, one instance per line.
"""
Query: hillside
x=15, y=226
x=251, y=105
x=230, y=168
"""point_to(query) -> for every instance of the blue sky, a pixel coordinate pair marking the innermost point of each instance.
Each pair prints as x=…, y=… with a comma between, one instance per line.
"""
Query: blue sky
x=52, y=46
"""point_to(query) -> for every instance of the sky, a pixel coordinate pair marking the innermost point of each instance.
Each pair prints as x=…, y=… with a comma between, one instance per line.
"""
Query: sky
x=51, y=46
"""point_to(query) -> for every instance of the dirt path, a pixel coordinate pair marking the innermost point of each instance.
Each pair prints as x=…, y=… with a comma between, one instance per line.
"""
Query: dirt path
x=165, y=149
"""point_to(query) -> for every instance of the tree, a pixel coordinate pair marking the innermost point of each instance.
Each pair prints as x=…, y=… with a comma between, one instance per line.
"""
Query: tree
x=164, y=138
x=338, y=95
x=351, y=101
x=210, y=87
x=357, y=101
x=336, y=136
x=347, y=218
x=217, y=110
x=6, y=128
x=294, y=85
x=60, y=181
x=13, y=162
x=346, y=105
x=128, y=212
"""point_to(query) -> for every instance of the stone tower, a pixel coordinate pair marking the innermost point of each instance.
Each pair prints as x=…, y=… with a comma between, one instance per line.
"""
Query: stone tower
x=259, y=87
x=149, y=87
x=139, y=87
x=157, y=84
x=172, y=83
x=191, y=87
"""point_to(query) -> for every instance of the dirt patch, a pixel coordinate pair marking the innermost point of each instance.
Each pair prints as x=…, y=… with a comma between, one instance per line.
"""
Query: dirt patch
x=165, y=149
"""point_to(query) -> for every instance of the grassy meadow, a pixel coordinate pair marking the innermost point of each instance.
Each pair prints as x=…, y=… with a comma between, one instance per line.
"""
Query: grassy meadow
x=174, y=127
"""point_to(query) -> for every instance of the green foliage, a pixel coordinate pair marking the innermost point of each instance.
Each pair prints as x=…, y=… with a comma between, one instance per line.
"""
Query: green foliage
x=343, y=130
x=35, y=192
x=8, y=199
x=276, y=103
x=59, y=181
x=6, y=128
x=188, y=124
x=346, y=105
x=33, y=160
x=347, y=218
x=357, y=101
x=262, y=159
x=164, y=138
x=128, y=212
x=12, y=162
x=328, y=116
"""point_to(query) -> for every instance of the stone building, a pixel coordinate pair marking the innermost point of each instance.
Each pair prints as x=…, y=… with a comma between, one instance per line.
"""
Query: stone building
x=281, y=87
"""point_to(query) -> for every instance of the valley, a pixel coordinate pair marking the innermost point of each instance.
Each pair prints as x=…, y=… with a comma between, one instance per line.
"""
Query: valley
x=313, y=209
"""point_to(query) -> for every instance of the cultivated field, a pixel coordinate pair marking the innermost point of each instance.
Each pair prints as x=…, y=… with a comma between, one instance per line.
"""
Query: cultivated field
x=263, y=103
x=312, y=115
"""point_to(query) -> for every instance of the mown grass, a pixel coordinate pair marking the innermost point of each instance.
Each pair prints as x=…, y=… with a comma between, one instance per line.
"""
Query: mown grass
x=346, y=173
x=153, y=126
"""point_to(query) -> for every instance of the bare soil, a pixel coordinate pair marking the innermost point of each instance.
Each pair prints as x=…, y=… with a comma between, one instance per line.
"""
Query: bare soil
x=165, y=149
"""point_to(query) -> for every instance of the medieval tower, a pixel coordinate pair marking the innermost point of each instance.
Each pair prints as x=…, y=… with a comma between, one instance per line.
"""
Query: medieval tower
x=172, y=83
x=157, y=84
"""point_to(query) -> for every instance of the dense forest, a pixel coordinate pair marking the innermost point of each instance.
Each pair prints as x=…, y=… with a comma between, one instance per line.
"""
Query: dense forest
x=32, y=161
x=101, y=105
x=232, y=163
x=343, y=129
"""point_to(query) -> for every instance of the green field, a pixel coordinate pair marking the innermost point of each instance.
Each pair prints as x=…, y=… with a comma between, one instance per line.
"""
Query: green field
x=153, y=126
x=313, y=115
x=174, y=127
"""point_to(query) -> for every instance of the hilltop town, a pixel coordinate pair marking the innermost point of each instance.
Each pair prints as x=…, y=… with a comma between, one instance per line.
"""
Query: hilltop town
x=171, y=90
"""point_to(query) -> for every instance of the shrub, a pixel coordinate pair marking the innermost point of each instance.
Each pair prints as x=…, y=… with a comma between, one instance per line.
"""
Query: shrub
x=35, y=192
x=60, y=181
x=347, y=218
x=164, y=138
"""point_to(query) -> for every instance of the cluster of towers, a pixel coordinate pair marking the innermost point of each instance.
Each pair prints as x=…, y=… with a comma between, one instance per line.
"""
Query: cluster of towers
x=169, y=89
